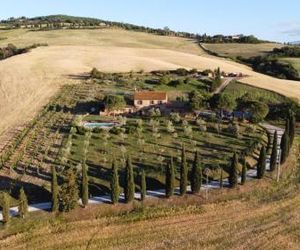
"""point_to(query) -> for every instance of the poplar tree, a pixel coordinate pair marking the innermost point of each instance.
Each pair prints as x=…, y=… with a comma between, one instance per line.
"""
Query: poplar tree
x=261, y=165
x=114, y=184
x=54, y=190
x=274, y=154
x=244, y=172
x=284, y=147
x=85, y=186
x=183, y=173
x=143, y=186
x=196, y=174
x=5, y=208
x=233, y=172
x=129, y=189
x=170, y=179
x=23, y=204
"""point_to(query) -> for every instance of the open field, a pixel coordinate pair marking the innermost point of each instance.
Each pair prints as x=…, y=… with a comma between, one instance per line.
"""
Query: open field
x=265, y=218
x=233, y=50
x=29, y=80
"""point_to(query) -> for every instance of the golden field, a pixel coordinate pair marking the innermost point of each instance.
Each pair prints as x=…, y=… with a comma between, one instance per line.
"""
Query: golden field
x=29, y=80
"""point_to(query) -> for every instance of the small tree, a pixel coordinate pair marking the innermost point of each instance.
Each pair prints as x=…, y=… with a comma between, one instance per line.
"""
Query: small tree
x=196, y=175
x=143, y=185
x=261, y=165
x=129, y=189
x=54, y=190
x=284, y=147
x=69, y=192
x=23, y=204
x=274, y=154
x=244, y=172
x=170, y=179
x=114, y=184
x=85, y=186
x=183, y=173
x=233, y=172
x=5, y=208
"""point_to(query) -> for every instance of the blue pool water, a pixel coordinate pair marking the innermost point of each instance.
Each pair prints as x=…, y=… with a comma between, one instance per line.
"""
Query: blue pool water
x=105, y=125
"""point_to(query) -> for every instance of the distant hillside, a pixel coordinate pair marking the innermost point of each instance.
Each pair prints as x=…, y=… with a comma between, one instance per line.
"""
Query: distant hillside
x=295, y=43
x=72, y=22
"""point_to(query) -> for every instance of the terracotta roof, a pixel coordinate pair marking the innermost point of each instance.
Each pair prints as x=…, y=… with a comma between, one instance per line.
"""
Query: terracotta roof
x=150, y=95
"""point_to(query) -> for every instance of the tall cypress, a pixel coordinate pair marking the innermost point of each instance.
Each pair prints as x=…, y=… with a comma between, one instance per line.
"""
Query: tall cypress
x=274, y=154
x=69, y=191
x=23, y=204
x=292, y=129
x=129, y=189
x=287, y=125
x=170, y=179
x=54, y=190
x=85, y=185
x=143, y=185
x=196, y=174
x=114, y=184
x=183, y=173
x=284, y=147
x=244, y=172
x=5, y=208
x=261, y=165
x=233, y=172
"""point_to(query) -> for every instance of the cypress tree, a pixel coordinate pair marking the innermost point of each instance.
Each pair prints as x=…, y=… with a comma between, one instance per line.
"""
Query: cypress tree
x=5, y=208
x=274, y=154
x=183, y=173
x=69, y=191
x=129, y=189
x=54, y=190
x=23, y=204
x=284, y=147
x=170, y=179
x=221, y=178
x=143, y=186
x=244, y=172
x=233, y=172
x=114, y=184
x=196, y=175
x=292, y=129
x=85, y=185
x=287, y=125
x=261, y=165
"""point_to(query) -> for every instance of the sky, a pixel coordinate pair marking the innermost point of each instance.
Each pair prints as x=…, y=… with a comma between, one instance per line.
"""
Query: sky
x=276, y=20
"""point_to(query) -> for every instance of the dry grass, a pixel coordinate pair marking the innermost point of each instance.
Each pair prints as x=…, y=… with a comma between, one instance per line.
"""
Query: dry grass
x=29, y=80
x=225, y=225
x=233, y=50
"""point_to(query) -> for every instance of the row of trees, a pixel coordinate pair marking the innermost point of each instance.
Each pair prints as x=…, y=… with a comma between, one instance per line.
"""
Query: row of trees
x=22, y=206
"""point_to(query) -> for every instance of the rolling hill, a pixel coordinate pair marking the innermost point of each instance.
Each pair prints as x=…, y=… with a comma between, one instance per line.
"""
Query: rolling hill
x=29, y=80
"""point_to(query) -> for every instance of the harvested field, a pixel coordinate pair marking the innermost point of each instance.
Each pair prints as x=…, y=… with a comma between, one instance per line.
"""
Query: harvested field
x=29, y=80
x=234, y=50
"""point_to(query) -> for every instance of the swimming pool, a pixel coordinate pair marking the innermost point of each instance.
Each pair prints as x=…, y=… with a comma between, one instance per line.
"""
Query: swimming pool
x=104, y=125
